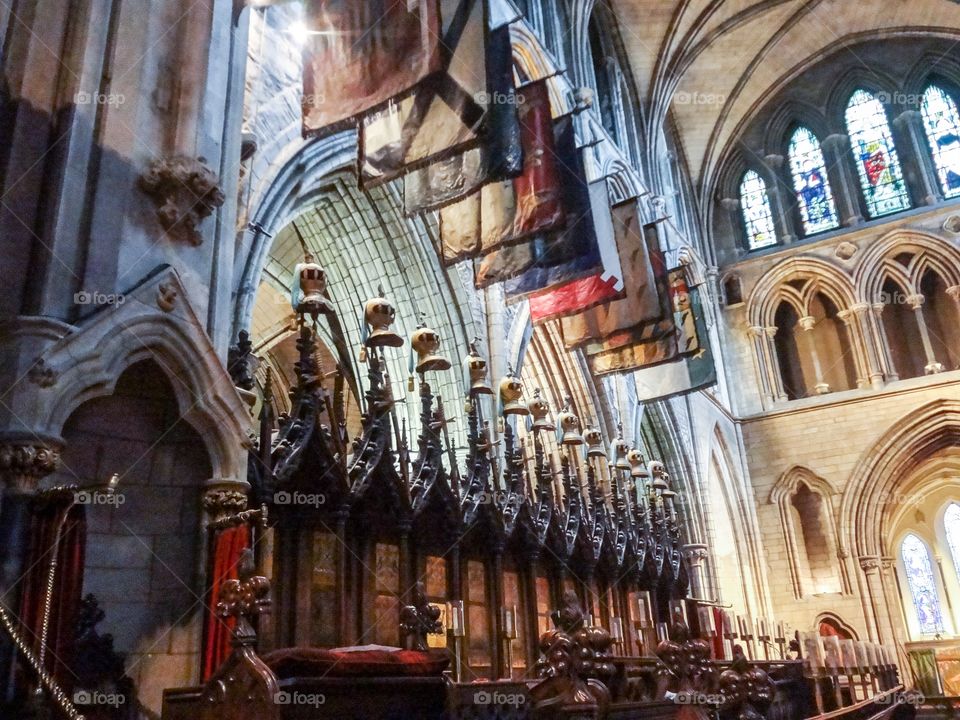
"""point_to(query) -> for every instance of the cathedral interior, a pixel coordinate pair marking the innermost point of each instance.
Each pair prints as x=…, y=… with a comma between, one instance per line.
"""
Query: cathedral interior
x=479, y=359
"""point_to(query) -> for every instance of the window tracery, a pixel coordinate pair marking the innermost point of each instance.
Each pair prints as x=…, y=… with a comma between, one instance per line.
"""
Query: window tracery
x=878, y=164
x=757, y=214
x=810, y=183
x=922, y=584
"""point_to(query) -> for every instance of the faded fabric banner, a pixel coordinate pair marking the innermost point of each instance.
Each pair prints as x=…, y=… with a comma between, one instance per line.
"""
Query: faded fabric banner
x=361, y=54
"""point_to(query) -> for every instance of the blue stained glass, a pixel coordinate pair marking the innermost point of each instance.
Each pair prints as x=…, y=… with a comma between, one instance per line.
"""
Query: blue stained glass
x=923, y=587
x=810, y=182
x=757, y=215
x=942, y=123
x=875, y=155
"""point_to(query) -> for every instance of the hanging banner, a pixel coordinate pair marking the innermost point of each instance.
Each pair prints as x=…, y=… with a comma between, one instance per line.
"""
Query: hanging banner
x=444, y=116
x=358, y=55
x=604, y=286
x=511, y=211
x=696, y=372
x=499, y=155
x=573, y=252
x=654, y=346
x=639, y=252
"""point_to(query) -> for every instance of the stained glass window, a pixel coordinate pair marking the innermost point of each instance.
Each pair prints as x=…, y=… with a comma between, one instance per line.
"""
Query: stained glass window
x=942, y=123
x=757, y=215
x=923, y=587
x=810, y=182
x=875, y=155
x=951, y=526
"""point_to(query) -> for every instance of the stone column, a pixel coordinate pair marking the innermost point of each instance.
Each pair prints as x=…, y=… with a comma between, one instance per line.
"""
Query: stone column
x=875, y=603
x=23, y=464
x=876, y=323
x=910, y=125
x=765, y=379
x=846, y=186
x=916, y=303
x=808, y=322
x=859, y=321
x=778, y=203
x=696, y=554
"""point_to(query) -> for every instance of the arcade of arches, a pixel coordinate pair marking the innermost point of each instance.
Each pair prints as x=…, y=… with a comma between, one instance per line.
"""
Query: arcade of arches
x=802, y=160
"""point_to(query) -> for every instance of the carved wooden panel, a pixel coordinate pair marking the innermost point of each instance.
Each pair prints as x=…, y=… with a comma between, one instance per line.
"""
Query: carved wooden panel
x=323, y=591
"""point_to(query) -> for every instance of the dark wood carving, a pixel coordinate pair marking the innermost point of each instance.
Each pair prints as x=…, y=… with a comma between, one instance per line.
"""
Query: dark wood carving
x=244, y=688
x=420, y=618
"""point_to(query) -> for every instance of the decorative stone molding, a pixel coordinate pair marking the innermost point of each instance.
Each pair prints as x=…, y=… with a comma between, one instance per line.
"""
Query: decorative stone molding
x=185, y=192
x=952, y=224
x=845, y=250
x=42, y=374
x=23, y=465
x=870, y=564
x=219, y=503
x=167, y=296
x=695, y=554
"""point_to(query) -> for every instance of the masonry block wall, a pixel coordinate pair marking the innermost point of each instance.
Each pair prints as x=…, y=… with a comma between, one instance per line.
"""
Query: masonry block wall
x=144, y=550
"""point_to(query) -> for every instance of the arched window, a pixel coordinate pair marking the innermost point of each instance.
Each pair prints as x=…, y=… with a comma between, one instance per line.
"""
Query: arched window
x=810, y=182
x=757, y=215
x=942, y=123
x=951, y=528
x=875, y=155
x=923, y=586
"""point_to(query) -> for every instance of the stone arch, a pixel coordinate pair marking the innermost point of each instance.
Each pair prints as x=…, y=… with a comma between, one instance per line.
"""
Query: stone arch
x=784, y=494
x=771, y=288
x=836, y=621
x=89, y=359
x=878, y=475
x=931, y=251
x=876, y=83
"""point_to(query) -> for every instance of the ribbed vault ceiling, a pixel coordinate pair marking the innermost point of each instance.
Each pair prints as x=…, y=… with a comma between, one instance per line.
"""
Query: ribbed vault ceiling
x=711, y=63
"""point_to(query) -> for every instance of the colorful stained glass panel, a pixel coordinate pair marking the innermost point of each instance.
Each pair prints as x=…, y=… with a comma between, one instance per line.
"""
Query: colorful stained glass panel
x=923, y=586
x=757, y=215
x=811, y=184
x=876, y=157
x=942, y=123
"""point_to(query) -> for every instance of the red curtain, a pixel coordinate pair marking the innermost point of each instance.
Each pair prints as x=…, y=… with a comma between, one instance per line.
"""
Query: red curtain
x=46, y=520
x=718, y=637
x=227, y=546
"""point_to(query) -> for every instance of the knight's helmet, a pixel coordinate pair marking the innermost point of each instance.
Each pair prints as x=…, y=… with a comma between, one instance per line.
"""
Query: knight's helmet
x=638, y=466
x=621, y=454
x=425, y=342
x=475, y=373
x=594, y=439
x=308, y=294
x=569, y=426
x=511, y=395
x=540, y=410
x=378, y=315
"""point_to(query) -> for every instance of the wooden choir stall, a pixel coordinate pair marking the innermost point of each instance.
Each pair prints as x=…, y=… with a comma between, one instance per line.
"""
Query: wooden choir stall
x=537, y=579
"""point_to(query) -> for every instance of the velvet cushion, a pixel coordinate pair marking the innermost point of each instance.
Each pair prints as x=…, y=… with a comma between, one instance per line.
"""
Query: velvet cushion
x=317, y=662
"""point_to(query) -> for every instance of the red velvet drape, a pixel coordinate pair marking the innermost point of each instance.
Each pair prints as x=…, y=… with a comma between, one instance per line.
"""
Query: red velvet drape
x=718, y=637
x=227, y=546
x=68, y=584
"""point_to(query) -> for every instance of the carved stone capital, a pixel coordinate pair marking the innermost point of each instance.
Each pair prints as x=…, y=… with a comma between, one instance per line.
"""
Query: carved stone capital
x=185, y=191
x=42, y=375
x=695, y=554
x=870, y=564
x=219, y=503
x=24, y=464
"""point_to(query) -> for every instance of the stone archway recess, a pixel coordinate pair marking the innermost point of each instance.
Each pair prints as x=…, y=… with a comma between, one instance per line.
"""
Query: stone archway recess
x=881, y=478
